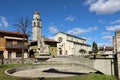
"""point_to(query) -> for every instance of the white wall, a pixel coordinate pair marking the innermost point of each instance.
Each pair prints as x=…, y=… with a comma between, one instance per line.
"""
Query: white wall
x=70, y=45
x=5, y=54
x=104, y=65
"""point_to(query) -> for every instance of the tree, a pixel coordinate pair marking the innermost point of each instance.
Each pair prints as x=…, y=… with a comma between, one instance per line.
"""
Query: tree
x=23, y=26
x=94, y=48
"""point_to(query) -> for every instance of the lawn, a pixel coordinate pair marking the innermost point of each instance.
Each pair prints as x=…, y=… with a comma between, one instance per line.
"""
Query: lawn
x=3, y=76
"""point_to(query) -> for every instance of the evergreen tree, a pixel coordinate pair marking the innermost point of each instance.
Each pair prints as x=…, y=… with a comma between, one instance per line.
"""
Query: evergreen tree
x=94, y=48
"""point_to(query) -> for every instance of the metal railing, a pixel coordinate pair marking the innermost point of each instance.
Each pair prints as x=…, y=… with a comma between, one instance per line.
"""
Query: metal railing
x=17, y=46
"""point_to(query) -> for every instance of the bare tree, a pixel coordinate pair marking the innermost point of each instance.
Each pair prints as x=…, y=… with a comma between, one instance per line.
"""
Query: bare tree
x=23, y=26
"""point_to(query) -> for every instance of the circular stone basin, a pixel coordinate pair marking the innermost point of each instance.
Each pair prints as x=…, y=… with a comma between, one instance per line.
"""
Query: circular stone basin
x=50, y=71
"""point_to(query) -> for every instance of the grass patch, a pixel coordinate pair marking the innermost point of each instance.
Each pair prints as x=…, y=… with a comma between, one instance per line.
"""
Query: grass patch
x=87, y=77
x=4, y=67
x=3, y=76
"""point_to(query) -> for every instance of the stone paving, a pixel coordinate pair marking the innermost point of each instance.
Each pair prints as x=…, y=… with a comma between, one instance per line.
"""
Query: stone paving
x=62, y=71
x=55, y=70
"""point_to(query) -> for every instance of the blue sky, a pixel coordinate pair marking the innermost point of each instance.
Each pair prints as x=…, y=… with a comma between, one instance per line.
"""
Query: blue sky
x=94, y=20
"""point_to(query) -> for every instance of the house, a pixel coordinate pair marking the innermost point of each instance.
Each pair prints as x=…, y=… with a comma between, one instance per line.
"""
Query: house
x=106, y=50
x=52, y=46
x=50, y=42
x=11, y=45
x=71, y=45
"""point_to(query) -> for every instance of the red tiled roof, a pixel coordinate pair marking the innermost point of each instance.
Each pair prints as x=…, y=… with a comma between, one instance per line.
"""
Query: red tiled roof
x=49, y=40
x=107, y=48
x=10, y=32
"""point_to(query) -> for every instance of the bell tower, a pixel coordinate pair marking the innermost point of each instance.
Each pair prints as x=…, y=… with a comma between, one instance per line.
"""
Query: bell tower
x=37, y=34
x=36, y=26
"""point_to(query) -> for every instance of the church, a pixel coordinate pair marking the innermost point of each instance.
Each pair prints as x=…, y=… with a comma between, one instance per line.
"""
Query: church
x=71, y=45
x=63, y=44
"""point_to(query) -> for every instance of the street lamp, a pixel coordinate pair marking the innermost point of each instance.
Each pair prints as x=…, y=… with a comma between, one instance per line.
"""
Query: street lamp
x=104, y=47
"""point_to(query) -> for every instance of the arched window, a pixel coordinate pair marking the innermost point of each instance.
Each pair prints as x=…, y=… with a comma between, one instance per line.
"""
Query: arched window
x=34, y=24
x=38, y=24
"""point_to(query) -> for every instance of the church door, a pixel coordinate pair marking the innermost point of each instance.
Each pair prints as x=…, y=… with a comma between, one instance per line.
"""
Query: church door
x=60, y=52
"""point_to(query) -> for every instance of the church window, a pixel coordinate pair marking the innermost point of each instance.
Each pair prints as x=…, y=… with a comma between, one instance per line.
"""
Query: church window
x=60, y=39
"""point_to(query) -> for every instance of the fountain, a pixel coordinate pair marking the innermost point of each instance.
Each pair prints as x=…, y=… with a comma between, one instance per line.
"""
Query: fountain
x=50, y=71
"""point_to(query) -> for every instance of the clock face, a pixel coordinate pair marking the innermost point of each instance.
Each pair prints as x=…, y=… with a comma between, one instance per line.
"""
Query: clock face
x=60, y=39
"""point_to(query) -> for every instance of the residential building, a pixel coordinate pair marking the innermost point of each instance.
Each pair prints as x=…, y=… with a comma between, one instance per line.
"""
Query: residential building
x=106, y=50
x=11, y=44
x=71, y=45
x=50, y=42
x=52, y=46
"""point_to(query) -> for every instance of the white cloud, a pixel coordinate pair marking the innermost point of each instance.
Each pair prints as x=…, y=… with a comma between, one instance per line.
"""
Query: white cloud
x=106, y=33
x=65, y=7
x=0, y=24
x=115, y=22
x=107, y=37
x=51, y=37
x=76, y=31
x=53, y=29
x=101, y=21
x=104, y=6
x=3, y=21
x=113, y=28
x=106, y=44
x=70, y=18
x=89, y=2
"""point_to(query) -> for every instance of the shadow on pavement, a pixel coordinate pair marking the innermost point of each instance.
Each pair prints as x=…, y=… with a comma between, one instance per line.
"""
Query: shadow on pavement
x=52, y=70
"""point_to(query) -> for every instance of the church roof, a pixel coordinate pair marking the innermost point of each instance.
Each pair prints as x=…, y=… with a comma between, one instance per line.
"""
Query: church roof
x=70, y=35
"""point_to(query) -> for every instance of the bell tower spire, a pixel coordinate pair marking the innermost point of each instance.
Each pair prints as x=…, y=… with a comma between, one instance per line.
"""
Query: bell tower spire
x=36, y=26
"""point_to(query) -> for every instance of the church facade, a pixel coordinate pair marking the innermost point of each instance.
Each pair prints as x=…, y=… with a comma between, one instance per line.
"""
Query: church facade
x=71, y=45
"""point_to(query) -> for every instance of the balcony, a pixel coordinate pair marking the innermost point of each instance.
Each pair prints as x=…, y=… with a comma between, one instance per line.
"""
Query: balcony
x=18, y=46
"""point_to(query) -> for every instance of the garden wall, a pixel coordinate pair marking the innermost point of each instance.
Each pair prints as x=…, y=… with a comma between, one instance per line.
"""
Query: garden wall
x=17, y=61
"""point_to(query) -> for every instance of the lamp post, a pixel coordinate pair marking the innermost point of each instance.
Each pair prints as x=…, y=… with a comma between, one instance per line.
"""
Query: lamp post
x=64, y=47
x=104, y=47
